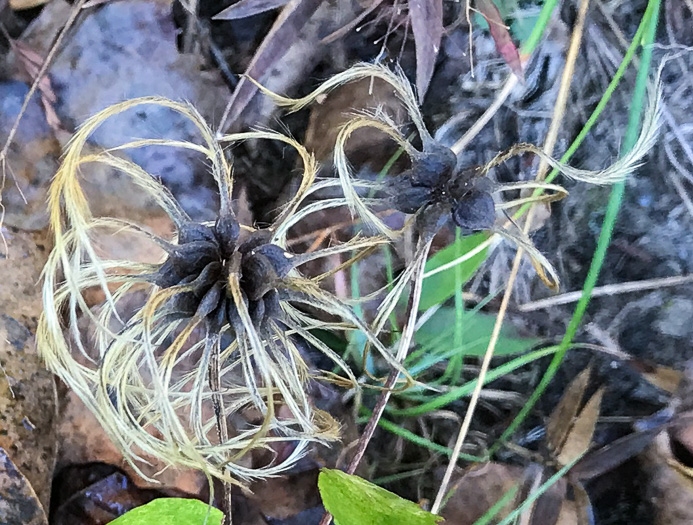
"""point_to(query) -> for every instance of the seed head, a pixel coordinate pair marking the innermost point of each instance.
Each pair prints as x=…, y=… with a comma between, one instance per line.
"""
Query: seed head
x=211, y=336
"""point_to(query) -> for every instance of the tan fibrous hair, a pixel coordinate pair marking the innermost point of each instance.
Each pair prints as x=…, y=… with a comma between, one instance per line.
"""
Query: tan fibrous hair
x=148, y=376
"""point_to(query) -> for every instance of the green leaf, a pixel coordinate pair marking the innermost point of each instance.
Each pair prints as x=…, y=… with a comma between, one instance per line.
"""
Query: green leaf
x=355, y=501
x=172, y=511
x=441, y=286
x=476, y=333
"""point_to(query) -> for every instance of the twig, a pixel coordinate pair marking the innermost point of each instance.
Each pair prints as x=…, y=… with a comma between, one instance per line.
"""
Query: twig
x=222, y=426
x=472, y=132
x=548, y=148
x=190, y=26
x=610, y=289
x=403, y=348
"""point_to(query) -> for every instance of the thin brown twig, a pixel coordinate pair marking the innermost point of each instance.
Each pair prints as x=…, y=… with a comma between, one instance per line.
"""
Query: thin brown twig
x=549, y=144
x=402, y=350
x=190, y=26
x=472, y=132
x=610, y=289
x=222, y=426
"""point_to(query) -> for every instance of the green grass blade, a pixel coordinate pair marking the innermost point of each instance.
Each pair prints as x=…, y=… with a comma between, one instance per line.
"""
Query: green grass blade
x=646, y=32
x=464, y=390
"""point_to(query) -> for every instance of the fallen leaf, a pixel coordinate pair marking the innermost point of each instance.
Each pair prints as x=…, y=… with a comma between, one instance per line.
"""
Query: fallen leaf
x=427, y=25
x=547, y=509
x=669, y=459
x=83, y=440
x=501, y=36
x=355, y=501
x=246, y=8
x=478, y=489
x=664, y=377
x=581, y=434
x=101, y=500
x=32, y=62
x=440, y=287
x=327, y=119
x=286, y=496
x=561, y=419
x=609, y=457
x=18, y=501
x=669, y=488
x=475, y=335
x=284, y=32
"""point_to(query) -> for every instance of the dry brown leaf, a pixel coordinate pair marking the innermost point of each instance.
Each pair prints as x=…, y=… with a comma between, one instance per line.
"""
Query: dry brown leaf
x=580, y=436
x=547, y=509
x=614, y=454
x=31, y=61
x=246, y=8
x=82, y=440
x=670, y=489
x=284, y=32
x=427, y=25
x=666, y=378
x=477, y=489
x=285, y=497
x=18, y=501
x=501, y=36
x=561, y=419
x=669, y=460
x=328, y=118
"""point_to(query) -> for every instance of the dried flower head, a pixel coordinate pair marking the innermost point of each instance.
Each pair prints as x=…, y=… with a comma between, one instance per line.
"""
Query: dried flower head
x=220, y=328
x=436, y=189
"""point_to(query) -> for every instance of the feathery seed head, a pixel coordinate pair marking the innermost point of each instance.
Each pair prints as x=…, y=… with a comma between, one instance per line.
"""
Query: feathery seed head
x=183, y=352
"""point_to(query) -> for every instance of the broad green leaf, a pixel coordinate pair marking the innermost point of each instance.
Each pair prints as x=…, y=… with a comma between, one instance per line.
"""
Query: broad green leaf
x=172, y=511
x=355, y=501
x=441, y=286
x=476, y=332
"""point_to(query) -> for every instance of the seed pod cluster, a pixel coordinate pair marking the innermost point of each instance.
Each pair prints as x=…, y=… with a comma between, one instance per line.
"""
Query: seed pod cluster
x=434, y=185
x=202, y=261
x=222, y=328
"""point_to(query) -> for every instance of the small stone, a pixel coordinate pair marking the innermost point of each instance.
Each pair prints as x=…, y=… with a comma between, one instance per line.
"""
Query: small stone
x=676, y=318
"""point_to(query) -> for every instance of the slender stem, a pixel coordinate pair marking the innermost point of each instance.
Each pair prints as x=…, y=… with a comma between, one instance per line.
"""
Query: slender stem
x=404, y=343
x=609, y=289
x=220, y=414
x=549, y=144
x=539, y=27
x=467, y=421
